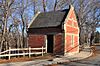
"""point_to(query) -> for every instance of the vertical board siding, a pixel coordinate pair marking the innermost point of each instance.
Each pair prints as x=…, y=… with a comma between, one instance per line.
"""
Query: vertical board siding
x=36, y=41
x=58, y=46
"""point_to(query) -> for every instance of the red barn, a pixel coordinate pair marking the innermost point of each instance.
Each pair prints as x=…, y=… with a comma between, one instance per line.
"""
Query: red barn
x=58, y=31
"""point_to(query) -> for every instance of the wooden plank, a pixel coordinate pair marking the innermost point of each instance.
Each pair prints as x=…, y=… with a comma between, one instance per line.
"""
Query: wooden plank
x=20, y=54
x=9, y=53
x=38, y=48
x=27, y=49
x=4, y=52
x=27, y=53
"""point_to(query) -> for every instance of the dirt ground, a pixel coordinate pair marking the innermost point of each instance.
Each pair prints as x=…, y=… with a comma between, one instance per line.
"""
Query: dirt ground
x=23, y=59
x=91, y=61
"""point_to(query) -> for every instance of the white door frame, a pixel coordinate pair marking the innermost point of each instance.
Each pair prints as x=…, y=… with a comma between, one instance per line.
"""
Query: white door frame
x=46, y=42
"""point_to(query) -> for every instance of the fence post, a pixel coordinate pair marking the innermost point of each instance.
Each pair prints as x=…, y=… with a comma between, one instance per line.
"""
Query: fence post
x=42, y=50
x=18, y=51
x=29, y=52
x=9, y=53
x=23, y=52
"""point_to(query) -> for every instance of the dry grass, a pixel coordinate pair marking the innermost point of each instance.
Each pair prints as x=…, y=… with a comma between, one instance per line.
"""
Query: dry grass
x=53, y=65
x=23, y=59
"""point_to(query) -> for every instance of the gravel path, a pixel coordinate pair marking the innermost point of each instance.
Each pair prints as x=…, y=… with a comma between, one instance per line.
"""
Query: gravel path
x=28, y=63
x=92, y=61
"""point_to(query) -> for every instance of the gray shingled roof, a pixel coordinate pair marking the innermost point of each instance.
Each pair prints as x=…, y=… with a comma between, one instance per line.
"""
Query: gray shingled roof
x=49, y=19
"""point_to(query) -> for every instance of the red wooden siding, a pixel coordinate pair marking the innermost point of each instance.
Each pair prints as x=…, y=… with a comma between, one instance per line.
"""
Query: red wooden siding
x=72, y=14
x=69, y=22
x=76, y=43
x=36, y=41
x=71, y=29
x=58, y=44
x=75, y=24
x=70, y=48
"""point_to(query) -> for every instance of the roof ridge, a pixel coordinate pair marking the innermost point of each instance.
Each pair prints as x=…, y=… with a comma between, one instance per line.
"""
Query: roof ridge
x=64, y=10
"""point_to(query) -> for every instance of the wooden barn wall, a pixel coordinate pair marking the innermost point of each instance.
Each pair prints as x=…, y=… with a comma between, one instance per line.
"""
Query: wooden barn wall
x=36, y=41
x=58, y=44
x=71, y=33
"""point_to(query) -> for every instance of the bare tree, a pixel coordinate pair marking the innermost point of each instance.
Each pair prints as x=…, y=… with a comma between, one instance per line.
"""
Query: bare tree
x=44, y=5
x=6, y=8
x=24, y=21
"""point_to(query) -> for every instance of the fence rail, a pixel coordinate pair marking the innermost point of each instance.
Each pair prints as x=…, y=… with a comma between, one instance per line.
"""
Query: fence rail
x=22, y=51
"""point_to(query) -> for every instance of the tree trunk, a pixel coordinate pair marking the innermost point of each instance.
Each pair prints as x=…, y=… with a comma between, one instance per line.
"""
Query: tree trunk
x=55, y=5
x=44, y=5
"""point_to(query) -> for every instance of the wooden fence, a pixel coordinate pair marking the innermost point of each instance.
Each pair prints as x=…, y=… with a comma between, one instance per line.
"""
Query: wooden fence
x=22, y=51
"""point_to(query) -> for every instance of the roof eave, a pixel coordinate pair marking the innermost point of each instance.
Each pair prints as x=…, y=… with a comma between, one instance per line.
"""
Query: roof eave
x=33, y=19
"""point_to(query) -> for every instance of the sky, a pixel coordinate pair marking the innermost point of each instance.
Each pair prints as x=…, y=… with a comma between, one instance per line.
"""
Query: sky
x=98, y=29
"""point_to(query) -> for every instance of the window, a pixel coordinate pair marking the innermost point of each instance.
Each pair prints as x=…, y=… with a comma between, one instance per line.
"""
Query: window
x=72, y=41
